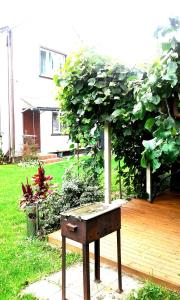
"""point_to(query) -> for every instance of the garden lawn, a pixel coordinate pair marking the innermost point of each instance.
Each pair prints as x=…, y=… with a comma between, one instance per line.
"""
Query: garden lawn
x=23, y=260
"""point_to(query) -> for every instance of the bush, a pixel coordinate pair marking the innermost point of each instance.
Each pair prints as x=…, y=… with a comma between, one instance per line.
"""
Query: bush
x=49, y=213
x=75, y=192
x=1, y=156
x=79, y=190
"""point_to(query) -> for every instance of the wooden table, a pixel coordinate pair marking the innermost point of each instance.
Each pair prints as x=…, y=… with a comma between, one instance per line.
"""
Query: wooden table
x=88, y=224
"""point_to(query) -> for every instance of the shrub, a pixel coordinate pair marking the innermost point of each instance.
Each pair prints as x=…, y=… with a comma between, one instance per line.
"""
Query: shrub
x=1, y=156
x=79, y=190
x=49, y=213
x=75, y=192
x=29, y=150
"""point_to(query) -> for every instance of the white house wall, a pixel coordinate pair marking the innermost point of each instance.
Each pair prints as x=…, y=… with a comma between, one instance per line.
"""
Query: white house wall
x=50, y=143
x=29, y=87
x=4, y=111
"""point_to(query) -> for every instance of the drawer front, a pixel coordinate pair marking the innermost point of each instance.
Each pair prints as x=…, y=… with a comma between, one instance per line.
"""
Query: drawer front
x=103, y=225
x=73, y=229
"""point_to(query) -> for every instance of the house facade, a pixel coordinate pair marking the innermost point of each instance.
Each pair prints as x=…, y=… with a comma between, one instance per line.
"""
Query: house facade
x=30, y=56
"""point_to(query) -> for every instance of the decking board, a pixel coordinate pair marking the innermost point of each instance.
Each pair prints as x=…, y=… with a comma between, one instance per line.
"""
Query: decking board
x=150, y=240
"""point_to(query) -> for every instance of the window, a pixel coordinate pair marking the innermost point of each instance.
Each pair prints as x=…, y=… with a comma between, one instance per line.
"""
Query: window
x=55, y=123
x=50, y=62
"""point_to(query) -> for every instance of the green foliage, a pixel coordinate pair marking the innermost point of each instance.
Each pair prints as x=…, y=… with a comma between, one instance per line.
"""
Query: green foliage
x=139, y=108
x=39, y=189
x=76, y=191
x=28, y=163
x=80, y=190
x=29, y=150
x=1, y=156
x=49, y=213
x=156, y=95
x=93, y=91
x=150, y=291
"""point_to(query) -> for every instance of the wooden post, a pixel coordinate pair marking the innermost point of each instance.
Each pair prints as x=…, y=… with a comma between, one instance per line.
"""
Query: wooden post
x=107, y=162
x=148, y=183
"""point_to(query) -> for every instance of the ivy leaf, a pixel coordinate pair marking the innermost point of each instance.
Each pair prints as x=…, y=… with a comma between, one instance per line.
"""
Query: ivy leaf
x=127, y=132
x=178, y=141
x=144, y=163
x=86, y=121
x=118, y=112
x=156, y=164
x=150, y=144
x=99, y=100
x=173, y=131
x=165, y=148
x=155, y=99
x=150, y=106
x=91, y=81
x=139, y=110
x=168, y=147
x=107, y=92
x=72, y=146
x=171, y=73
x=149, y=124
x=112, y=83
x=166, y=46
x=80, y=112
x=101, y=84
x=169, y=123
x=79, y=86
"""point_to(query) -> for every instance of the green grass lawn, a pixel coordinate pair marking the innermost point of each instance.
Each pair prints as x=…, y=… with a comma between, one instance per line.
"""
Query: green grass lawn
x=22, y=260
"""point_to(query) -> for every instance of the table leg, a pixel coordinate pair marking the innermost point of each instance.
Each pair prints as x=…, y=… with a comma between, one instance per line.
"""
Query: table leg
x=86, y=276
x=119, y=261
x=63, y=268
x=97, y=260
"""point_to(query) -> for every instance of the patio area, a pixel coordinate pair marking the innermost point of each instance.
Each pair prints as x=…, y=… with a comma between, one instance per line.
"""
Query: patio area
x=150, y=240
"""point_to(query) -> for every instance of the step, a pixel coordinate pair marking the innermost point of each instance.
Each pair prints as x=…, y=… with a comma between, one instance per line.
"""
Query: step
x=51, y=160
x=46, y=156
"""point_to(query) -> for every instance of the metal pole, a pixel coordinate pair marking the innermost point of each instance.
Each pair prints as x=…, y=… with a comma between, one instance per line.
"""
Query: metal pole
x=107, y=162
x=120, y=183
x=11, y=95
x=148, y=183
x=63, y=267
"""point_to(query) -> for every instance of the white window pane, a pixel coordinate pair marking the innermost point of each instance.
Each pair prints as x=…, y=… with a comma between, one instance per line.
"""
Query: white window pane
x=43, y=62
x=51, y=62
x=55, y=123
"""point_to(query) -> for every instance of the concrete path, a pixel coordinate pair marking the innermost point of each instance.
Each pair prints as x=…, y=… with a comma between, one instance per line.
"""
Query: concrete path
x=49, y=288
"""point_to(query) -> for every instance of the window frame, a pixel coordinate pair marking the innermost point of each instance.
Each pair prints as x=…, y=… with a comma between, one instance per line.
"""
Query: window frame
x=61, y=127
x=48, y=50
x=58, y=115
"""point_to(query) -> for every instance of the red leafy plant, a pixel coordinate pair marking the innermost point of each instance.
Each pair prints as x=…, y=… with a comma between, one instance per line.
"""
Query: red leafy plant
x=39, y=190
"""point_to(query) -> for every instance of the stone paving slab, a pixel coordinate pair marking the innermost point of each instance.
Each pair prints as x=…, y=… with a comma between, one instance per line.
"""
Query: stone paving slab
x=49, y=288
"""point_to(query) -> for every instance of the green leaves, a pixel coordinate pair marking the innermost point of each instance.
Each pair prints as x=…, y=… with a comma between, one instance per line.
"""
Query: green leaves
x=150, y=145
x=138, y=111
x=170, y=74
x=94, y=90
x=91, y=81
x=155, y=99
x=118, y=112
x=149, y=124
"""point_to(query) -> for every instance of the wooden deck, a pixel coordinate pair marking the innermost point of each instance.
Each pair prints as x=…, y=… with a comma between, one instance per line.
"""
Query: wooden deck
x=150, y=240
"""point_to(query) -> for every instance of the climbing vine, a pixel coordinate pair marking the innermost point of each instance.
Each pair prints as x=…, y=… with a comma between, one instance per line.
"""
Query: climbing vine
x=157, y=101
x=139, y=107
